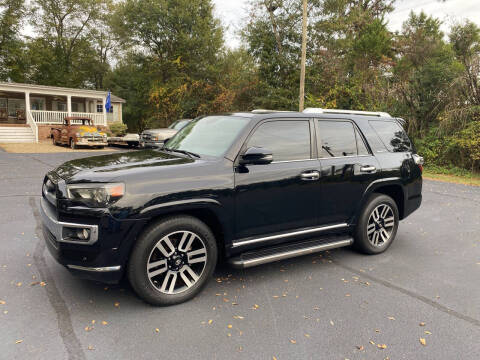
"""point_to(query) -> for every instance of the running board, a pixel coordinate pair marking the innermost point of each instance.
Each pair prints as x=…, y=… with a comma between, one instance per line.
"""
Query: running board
x=281, y=252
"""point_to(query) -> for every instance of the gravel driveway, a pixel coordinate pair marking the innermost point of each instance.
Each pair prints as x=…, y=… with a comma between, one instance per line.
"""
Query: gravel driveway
x=336, y=305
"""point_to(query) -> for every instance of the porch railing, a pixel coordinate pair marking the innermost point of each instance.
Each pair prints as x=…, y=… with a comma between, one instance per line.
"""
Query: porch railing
x=32, y=124
x=56, y=117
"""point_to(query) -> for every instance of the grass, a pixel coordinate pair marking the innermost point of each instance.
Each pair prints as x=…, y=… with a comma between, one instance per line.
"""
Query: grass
x=452, y=175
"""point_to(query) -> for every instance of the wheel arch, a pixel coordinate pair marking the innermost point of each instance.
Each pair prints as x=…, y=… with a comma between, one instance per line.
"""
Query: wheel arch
x=392, y=187
x=209, y=211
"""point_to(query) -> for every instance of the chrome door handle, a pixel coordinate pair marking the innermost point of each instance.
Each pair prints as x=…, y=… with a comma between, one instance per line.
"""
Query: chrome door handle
x=310, y=175
x=368, y=168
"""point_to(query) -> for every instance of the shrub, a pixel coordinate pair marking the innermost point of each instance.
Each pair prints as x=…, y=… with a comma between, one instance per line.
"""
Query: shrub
x=118, y=129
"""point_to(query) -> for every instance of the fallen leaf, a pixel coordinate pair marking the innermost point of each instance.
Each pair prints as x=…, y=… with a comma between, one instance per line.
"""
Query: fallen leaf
x=423, y=341
x=229, y=335
x=307, y=335
x=293, y=341
x=104, y=322
x=422, y=324
x=428, y=332
x=331, y=322
x=34, y=283
x=88, y=328
x=371, y=342
x=229, y=326
x=381, y=346
x=210, y=322
x=18, y=341
x=93, y=322
x=377, y=330
x=347, y=295
x=274, y=358
x=19, y=284
x=391, y=318
x=2, y=302
x=117, y=304
x=360, y=347
x=43, y=283
x=157, y=330
x=90, y=347
x=238, y=317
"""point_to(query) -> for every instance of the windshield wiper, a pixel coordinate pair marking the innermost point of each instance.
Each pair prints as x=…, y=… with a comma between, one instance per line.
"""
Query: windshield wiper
x=189, y=153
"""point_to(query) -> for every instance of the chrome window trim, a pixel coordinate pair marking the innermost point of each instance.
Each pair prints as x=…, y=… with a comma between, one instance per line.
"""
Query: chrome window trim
x=288, y=234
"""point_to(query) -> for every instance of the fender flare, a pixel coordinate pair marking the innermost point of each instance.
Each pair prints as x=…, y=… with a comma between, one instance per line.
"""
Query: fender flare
x=397, y=181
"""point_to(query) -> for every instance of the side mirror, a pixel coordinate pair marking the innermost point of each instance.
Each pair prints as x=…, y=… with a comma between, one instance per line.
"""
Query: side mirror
x=256, y=156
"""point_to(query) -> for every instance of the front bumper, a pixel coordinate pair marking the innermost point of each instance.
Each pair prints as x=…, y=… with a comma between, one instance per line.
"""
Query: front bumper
x=102, y=258
x=151, y=143
x=81, y=142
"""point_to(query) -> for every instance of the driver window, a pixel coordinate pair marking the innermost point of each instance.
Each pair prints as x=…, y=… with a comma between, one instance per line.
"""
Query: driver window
x=287, y=139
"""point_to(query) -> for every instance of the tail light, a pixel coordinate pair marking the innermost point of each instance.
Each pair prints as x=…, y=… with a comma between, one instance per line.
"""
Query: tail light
x=419, y=161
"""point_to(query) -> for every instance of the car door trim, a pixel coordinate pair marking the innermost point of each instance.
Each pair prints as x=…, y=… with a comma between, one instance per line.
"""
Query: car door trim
x=287, y=234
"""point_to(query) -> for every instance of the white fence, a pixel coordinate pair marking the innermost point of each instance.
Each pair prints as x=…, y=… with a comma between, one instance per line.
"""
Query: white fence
x=56, y=117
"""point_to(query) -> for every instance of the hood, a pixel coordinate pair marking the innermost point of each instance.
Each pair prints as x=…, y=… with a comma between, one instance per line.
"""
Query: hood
x=89, y=130
x=161, y=133
x=104, y=168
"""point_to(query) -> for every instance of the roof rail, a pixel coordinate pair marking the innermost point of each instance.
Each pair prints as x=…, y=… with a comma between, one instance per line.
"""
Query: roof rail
x=352, y=112
x=266, y=111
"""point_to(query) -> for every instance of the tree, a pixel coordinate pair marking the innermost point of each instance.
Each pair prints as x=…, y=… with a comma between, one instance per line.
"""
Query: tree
x=12, y=61
x=61, y=52
x=426, y=73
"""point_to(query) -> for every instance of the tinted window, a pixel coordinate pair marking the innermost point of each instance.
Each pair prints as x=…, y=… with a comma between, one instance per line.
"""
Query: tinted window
x=361, y=147
x=211, y=135
x=337, y=138
x=392, y=135
x=287, y=140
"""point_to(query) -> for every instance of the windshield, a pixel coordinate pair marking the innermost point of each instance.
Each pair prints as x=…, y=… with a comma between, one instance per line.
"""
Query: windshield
x=211, y=135
x=177, y=125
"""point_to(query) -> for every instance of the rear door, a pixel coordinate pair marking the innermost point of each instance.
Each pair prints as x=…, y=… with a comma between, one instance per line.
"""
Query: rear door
x=280, y=196
x=347, y=167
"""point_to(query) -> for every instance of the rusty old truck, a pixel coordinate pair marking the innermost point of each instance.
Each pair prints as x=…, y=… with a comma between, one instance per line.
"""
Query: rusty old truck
x=78, y=131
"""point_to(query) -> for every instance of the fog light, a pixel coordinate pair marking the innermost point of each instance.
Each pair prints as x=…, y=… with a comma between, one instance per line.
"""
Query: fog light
x=83, y=234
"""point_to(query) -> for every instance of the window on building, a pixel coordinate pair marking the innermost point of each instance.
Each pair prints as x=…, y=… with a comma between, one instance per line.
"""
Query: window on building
x=286, y=139
x=99, y=108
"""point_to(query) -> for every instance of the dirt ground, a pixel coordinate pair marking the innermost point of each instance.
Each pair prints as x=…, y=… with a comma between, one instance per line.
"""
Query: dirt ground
x=45, y=147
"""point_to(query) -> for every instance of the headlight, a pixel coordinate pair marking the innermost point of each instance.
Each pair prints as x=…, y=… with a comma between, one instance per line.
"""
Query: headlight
x=96, y=195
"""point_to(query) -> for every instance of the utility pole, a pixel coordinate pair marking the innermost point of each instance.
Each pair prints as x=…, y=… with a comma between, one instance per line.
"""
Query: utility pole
x=304, y=56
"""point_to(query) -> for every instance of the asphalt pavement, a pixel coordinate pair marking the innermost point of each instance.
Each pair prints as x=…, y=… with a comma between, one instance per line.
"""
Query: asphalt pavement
x=331, y=305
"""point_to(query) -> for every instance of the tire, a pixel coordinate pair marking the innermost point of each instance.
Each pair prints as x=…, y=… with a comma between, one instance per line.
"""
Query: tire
x=172, y=253
x=377, y=225
x=73, y=146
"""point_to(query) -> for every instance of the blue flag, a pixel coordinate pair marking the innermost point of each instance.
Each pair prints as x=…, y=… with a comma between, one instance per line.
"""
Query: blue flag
x=108, y=103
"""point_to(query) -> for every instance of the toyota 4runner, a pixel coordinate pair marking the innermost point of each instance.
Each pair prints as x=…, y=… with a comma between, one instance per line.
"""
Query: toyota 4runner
x=250, y=188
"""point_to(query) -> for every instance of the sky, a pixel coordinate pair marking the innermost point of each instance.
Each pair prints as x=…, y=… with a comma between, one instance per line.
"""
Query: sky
x=233, y=13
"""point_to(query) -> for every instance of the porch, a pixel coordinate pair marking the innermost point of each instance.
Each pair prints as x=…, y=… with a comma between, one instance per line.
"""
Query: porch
x=37, y=105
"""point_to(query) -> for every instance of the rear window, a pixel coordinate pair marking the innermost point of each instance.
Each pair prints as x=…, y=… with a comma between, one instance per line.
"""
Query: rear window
x=392, y=135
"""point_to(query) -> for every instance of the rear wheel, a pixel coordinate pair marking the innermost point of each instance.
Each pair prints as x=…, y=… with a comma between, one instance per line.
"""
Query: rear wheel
x=377, y=225
x=172, y=260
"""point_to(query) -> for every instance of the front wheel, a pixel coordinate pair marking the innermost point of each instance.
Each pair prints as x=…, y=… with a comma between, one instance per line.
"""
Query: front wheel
x=172, y=260
x=377, y=225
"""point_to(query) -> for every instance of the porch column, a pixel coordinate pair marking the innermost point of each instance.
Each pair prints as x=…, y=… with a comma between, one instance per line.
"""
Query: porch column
x=27, y=102
x=69, y=105
x=104, y=111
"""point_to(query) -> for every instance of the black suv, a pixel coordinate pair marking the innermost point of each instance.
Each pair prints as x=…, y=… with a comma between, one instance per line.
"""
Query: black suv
x=246, y=187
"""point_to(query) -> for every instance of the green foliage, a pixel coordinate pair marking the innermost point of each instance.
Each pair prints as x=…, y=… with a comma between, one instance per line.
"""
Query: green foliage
x=118, y=129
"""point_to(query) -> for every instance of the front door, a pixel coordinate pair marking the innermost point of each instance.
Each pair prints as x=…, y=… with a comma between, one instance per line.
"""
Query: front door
x=347, y=167
x=280, y=196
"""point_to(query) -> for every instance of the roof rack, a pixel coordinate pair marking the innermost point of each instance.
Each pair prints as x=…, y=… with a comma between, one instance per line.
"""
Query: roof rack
x=266, y=111
x=352, y=112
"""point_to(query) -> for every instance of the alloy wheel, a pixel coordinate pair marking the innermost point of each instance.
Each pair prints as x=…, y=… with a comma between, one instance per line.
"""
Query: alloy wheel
x=381, y=223
x=176, y=262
